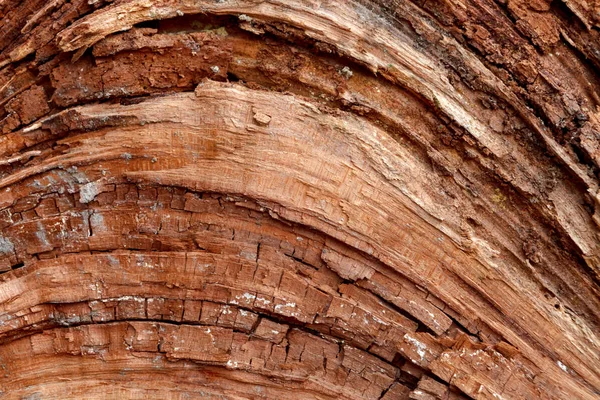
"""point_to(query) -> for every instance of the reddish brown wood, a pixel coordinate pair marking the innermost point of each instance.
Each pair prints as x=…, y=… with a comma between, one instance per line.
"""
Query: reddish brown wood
x=358, y=199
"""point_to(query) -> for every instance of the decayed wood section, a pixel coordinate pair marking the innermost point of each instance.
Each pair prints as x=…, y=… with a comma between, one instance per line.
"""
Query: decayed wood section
x=299, y=199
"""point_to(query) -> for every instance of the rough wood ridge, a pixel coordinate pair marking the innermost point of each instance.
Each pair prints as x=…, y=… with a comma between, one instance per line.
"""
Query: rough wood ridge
x=299, y=199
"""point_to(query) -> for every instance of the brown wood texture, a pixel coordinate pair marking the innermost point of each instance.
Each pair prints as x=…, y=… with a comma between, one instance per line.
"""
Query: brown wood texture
x=299, y=199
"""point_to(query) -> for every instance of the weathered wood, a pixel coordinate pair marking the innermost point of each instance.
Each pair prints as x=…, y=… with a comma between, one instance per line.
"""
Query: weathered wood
x=299, y=199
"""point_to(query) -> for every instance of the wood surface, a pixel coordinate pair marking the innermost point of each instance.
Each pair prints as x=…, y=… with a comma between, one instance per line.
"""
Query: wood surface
x=299, y=199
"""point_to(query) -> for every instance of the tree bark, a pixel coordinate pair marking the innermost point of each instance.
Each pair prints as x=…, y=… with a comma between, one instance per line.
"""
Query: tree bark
x=362, y=199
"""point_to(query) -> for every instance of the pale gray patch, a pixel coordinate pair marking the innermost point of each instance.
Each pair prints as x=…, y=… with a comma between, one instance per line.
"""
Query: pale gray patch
x=113, y=260
x=88, y=192
x=41, y=234
x=6, y=246
x=79, y=176
x=97, y=222
x=346, y=72
x=68, y=180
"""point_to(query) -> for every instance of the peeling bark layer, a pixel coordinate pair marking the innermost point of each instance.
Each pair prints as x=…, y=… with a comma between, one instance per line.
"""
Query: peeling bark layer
x=299, y=199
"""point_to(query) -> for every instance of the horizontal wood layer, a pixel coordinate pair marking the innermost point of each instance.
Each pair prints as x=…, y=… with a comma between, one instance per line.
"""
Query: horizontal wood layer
x=316, y=199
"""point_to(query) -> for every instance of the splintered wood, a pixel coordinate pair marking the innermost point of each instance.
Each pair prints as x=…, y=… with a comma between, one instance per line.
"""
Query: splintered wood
x=299, y=199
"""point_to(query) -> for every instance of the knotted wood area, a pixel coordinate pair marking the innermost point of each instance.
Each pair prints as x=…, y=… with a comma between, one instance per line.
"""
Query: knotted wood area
x=299, y=199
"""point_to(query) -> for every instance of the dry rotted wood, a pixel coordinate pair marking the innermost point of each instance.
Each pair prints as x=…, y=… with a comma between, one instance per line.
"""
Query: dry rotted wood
x=299, y=199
